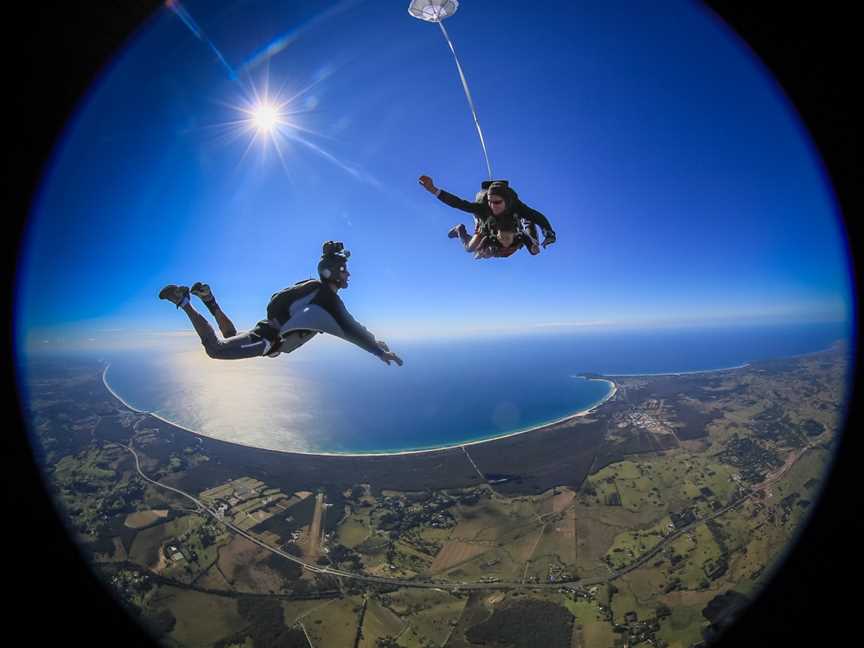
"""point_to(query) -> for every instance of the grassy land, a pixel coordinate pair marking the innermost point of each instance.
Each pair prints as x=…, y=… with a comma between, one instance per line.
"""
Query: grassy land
x=493, y=519
x=148, y=543
x=559, y=538
x=141, y=519
x=598, y=635
x=335, y=624
x=374, y=552
x=630, y=545
x=428, y=614
x=584, y=611
x=379, y=622
x=354, y=530
x=295, y=611
x=645, y=584
x=684, y=627
x=202, y=619
x=625, y=601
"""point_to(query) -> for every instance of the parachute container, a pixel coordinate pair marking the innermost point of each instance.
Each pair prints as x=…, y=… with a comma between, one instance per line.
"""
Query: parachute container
x=433, y=10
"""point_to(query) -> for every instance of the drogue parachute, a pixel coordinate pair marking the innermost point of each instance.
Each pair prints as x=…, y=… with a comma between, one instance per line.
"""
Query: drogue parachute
x=433, y=10
x=436, y=11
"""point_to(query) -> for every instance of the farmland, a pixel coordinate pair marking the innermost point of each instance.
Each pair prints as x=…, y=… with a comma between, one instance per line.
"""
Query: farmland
x=678, y=491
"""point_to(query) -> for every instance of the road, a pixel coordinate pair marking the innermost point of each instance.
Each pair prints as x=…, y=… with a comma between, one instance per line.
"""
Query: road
x=466, y=586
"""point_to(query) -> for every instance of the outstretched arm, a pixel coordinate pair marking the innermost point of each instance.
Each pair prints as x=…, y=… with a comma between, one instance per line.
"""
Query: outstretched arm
x=448, y=198
x=388, y=356
x=360, y=335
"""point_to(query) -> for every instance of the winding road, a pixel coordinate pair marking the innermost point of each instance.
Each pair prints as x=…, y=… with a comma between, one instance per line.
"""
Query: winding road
x=464, y=586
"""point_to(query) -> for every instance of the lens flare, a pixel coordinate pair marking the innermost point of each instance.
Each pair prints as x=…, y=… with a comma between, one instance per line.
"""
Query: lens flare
x=265, y=117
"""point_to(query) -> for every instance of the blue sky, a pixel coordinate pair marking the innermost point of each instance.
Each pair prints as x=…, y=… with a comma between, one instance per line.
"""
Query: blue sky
x=679, y=179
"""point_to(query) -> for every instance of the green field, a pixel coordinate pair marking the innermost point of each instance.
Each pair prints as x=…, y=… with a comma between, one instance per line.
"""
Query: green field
x=428, y=613
x=84, y=467
x=493, y=519
x=295, y=611
x=335, y=624
x=559, y=540
x=631, y=545
x=202, y=619
x=598, y=635
x=148, y=543
x=698, y=548
x=645, y=584
x=409, y=561
x=378, y=622
x=431, y=534
x=545, y=568
x=494, y=563
x=354, y=530
x=624, y=601
x=374, y=553
x=684, y=627
x=584, y=611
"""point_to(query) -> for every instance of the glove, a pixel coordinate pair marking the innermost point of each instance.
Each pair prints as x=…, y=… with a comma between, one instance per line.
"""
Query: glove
x=549, y=239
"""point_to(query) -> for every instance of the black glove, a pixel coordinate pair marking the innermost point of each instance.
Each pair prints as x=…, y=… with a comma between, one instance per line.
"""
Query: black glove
x=549, y=239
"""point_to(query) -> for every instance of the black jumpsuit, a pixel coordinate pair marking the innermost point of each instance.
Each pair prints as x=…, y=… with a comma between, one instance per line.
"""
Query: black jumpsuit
x=484, y=219
x=294, y=316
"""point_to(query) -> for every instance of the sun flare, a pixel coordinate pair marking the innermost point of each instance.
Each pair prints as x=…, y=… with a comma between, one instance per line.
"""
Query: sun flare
x=265, y=117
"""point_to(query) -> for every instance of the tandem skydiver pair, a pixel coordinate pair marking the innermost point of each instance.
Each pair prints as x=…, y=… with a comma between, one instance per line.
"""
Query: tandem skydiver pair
x=502, y=222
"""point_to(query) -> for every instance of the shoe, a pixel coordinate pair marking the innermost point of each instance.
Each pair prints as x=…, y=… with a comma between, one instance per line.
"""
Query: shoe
x=457, y=232
x=177, y=295
x=202, y=291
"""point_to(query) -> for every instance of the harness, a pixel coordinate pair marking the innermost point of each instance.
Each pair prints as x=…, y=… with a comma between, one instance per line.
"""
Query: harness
x=525, y=230
x=525, y=234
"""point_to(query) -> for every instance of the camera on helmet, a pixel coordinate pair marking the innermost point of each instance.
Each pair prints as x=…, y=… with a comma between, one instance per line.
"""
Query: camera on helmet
x=335, y=247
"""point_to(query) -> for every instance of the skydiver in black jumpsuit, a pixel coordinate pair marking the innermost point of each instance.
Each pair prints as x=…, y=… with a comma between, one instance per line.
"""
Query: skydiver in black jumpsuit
x=294, y=315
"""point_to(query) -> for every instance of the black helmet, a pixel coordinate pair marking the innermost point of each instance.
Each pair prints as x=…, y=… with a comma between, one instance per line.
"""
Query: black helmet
x=334, y=259
x=497, y=188
x=488, y=183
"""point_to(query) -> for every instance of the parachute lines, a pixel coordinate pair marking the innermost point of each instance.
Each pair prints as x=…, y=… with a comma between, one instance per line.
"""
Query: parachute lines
x=436, y=11
x=468, y=96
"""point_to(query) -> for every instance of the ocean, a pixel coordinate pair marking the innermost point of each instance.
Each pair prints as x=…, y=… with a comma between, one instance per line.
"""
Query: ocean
x=329, y=396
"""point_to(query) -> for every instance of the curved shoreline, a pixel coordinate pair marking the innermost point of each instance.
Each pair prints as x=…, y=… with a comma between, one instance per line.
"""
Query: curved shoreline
x=416, y=451
x=683, y=373
x=613, y=389
x=740, y=366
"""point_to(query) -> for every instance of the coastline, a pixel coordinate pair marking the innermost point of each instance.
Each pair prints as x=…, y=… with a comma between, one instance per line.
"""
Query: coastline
x=608, y=378
x=613, y=389
x=120, y=398
x=683, y=373
x=740, y=366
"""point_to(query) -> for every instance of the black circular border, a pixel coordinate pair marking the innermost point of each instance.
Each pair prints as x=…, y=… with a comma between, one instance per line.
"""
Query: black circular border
x=57, y=51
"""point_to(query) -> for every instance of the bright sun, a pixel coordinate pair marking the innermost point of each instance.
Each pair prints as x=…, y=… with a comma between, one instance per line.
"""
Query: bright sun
x=265, y=117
